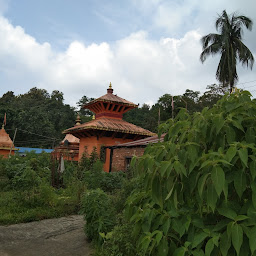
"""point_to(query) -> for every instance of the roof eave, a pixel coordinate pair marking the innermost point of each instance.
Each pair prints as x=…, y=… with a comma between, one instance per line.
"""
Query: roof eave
x=110, y=101
x=75, y=129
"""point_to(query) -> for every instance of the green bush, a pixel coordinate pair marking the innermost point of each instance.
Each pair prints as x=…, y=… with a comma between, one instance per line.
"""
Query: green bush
x=99, y=213
x=119, y=242
x=112, y=181
x=26, y=193
x=95, y=178
x=199, y=195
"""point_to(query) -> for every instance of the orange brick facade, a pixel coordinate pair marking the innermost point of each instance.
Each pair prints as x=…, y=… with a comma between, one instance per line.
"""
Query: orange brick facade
x=94, y=142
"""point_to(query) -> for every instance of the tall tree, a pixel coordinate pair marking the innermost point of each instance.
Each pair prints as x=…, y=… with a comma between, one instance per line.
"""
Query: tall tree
x=39, y=116
x=229, y=44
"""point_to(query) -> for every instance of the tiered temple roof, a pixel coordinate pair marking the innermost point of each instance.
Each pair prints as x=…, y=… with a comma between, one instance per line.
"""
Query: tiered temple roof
x=108, y=125
x=6, y=143
x=5, y=140
x=69, y=146
x=109, y=110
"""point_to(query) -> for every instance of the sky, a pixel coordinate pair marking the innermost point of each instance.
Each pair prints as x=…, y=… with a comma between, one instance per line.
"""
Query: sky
x=145, y=48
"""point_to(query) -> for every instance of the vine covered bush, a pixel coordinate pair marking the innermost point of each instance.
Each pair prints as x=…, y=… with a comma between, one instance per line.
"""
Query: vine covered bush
x=199, y=195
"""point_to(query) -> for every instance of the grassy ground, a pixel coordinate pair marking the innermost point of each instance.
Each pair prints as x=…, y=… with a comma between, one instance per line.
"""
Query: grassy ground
x=17, y=208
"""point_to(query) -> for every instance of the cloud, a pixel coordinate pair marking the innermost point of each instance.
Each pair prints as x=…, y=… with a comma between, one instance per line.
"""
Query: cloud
x=140, y=69
x=175, y=18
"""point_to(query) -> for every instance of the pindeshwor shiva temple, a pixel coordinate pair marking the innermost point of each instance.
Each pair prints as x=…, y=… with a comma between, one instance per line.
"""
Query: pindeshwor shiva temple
x=108, y=127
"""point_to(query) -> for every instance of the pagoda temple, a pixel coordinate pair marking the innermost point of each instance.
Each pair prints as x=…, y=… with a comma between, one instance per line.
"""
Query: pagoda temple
x=6, y=144
x=68, y=148
x=107, y=127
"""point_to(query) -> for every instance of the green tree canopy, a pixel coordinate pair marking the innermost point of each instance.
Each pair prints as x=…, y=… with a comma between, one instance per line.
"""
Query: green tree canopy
x=39, y=116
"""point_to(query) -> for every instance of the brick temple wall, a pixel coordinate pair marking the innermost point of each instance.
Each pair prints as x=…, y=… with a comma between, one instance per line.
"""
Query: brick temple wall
x=121, y=154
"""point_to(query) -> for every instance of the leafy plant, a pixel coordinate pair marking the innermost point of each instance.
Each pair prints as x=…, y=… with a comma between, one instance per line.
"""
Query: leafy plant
x=118, y=242
x=26, y=194
x=199, y=184
x=99, y=213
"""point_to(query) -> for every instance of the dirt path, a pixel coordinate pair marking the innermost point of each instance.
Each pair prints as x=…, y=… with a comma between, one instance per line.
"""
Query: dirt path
x=54, y=237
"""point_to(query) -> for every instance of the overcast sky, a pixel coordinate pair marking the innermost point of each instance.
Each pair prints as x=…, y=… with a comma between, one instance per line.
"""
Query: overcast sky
x=146, y=48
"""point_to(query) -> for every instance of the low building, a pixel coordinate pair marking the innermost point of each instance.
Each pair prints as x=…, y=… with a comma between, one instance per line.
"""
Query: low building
x=121, y=155
x=68, y=148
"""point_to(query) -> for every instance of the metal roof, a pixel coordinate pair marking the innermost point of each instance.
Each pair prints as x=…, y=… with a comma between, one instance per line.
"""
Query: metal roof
x=140, y=143
x=36, y=150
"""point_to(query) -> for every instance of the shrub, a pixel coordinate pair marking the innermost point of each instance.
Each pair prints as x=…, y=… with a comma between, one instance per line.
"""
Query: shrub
x=199, y=195
x=119, y=242
x=97, y=178
x=94, y=176
x=99, y=213
x=26, y=194
x=112, y=181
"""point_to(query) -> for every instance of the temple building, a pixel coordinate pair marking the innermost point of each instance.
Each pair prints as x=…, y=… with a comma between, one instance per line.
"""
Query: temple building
x=6, y=144
x=69, y=146
x=108, y=127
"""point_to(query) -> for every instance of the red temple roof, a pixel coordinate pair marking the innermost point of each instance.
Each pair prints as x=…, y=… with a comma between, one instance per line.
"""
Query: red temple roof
x=110, y=97
x=108, y=124
x=71, y=139
x=110, y=103
x=5, y=140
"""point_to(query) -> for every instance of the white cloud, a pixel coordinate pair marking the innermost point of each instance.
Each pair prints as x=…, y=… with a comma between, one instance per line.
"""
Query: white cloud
x=141, y=70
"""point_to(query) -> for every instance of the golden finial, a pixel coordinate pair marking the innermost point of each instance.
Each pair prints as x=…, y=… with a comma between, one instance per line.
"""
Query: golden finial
x=93, y=117
x=110, y=86
x=78, y=120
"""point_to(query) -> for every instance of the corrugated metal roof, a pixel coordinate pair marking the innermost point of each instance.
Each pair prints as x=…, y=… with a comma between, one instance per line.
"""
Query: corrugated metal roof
x=36, y=150
x=109, y=124
x=142, y=142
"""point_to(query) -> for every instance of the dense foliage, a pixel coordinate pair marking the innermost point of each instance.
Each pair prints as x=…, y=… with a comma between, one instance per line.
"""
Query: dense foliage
x=26, y=193
x=99, y=203
x=99, y=213
x=199, y=184
x=194, y=193
x=149, y=117
x=39, y=117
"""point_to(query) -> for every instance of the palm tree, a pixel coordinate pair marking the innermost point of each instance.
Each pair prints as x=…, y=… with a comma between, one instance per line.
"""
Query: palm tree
x=229, y=44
